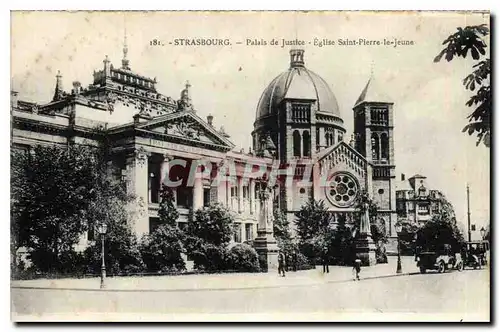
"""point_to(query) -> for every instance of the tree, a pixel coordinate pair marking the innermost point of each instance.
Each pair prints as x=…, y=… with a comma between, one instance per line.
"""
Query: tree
x=167, y=212
x=121, y=252
x=459, y=44
x=50, y=190
x=314, y=228
x=282, y=234
x=312, y=219
x=109, y=206
x=441, y=229
x=212, y=224
x=209, y=232
x=343, y=249
x=161, y=250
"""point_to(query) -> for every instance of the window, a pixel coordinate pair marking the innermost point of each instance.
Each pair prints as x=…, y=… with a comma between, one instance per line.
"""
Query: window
x=317, y=138
x=342, y=190
x=384, y=141
x=307, y=144
x=234, y=191
x=249, y=232
x=375, y=147
x=330, y=138
x=153, y=224
x=237, y=232
x=206, y=197
x=184, y=197
x=296, y=143
x=183, y=226
x=245, y=192
x=423, y=209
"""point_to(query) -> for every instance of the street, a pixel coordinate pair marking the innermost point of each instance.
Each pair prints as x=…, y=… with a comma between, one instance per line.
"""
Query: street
x=452, y=296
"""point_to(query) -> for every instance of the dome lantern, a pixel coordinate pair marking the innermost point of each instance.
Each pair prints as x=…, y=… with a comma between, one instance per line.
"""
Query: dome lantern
x=296, y=58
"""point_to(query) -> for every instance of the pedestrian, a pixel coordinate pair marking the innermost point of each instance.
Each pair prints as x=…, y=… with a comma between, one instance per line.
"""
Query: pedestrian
x=356, y=268
x=324, y=258
x=281, y=264
x=295, y=261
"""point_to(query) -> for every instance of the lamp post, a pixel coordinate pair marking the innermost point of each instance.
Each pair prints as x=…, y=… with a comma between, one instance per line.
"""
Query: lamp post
x=483, y=233
x=102, y=231
x=399, y=227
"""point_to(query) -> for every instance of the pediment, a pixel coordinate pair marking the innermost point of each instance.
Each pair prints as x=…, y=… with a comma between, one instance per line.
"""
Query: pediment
x=345, y=155
x=187, y=127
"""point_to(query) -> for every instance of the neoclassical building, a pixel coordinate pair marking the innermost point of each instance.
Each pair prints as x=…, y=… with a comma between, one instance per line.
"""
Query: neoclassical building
x=298, y=126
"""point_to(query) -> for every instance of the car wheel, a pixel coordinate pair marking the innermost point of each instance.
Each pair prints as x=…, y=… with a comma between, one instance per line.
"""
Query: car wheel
x=441, y=267
x=422, y=269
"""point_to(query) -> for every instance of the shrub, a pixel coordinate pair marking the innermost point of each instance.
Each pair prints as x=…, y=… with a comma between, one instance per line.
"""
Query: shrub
x=121, y=252
x=209, y=257
x=161, y=250
x=303, y=263
x=243, y=258
x=381, y=255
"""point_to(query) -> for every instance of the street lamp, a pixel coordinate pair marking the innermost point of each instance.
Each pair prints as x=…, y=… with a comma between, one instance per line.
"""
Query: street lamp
x=399, y=228
x=483, y=232
x=102, y=230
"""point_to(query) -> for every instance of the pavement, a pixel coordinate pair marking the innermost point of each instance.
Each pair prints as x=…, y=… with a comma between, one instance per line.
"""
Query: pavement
x=229, y=281
x=451, y=297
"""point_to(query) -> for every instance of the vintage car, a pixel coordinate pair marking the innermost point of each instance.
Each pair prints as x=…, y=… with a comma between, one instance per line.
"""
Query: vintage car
x=474, y=254
x=440, y=260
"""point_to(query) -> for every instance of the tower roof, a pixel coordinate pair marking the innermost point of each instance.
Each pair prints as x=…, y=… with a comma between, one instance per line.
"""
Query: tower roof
x=372, y=93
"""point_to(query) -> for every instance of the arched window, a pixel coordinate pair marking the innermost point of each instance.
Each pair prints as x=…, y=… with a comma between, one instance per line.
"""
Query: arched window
x=317, y=138
x=375, y=147
x=307, y=144
x=384, y=141
x=329, y=139
x=296, y=143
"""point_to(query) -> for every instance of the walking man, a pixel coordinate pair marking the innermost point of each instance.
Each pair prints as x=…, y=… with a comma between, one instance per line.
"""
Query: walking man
x=281, y=264
x=324, y=258
x=356, y=268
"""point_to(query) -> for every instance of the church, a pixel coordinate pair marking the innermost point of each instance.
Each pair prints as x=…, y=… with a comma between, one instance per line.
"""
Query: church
x=157, y=138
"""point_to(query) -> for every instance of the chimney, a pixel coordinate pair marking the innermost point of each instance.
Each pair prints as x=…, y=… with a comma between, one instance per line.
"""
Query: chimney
x=13, y=99
x=402, y=176
x=210, y=119
x=77, y=87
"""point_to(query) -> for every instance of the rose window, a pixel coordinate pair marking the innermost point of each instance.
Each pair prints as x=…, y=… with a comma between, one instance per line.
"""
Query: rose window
x=342, y=189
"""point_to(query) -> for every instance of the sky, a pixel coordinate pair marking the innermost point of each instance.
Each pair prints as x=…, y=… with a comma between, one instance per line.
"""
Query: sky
x=227, y=81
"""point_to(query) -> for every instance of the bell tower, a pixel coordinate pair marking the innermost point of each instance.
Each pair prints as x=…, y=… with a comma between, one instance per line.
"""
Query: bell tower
x=374, y=139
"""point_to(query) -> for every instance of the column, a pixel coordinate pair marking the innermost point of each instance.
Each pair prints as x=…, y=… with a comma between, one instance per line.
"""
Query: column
x=316, y=181
x=257, y=202
x=251, y=188
x=137, y=185
x=198, y=192
x=379, y=137
x=164, y=169
x=239, y=181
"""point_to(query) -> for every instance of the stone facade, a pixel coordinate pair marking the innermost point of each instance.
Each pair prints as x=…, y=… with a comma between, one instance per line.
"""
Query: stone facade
x=298, y=125
x=416, y=203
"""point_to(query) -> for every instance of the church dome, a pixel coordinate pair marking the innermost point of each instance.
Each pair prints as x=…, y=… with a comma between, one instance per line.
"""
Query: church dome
x=297, y=82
